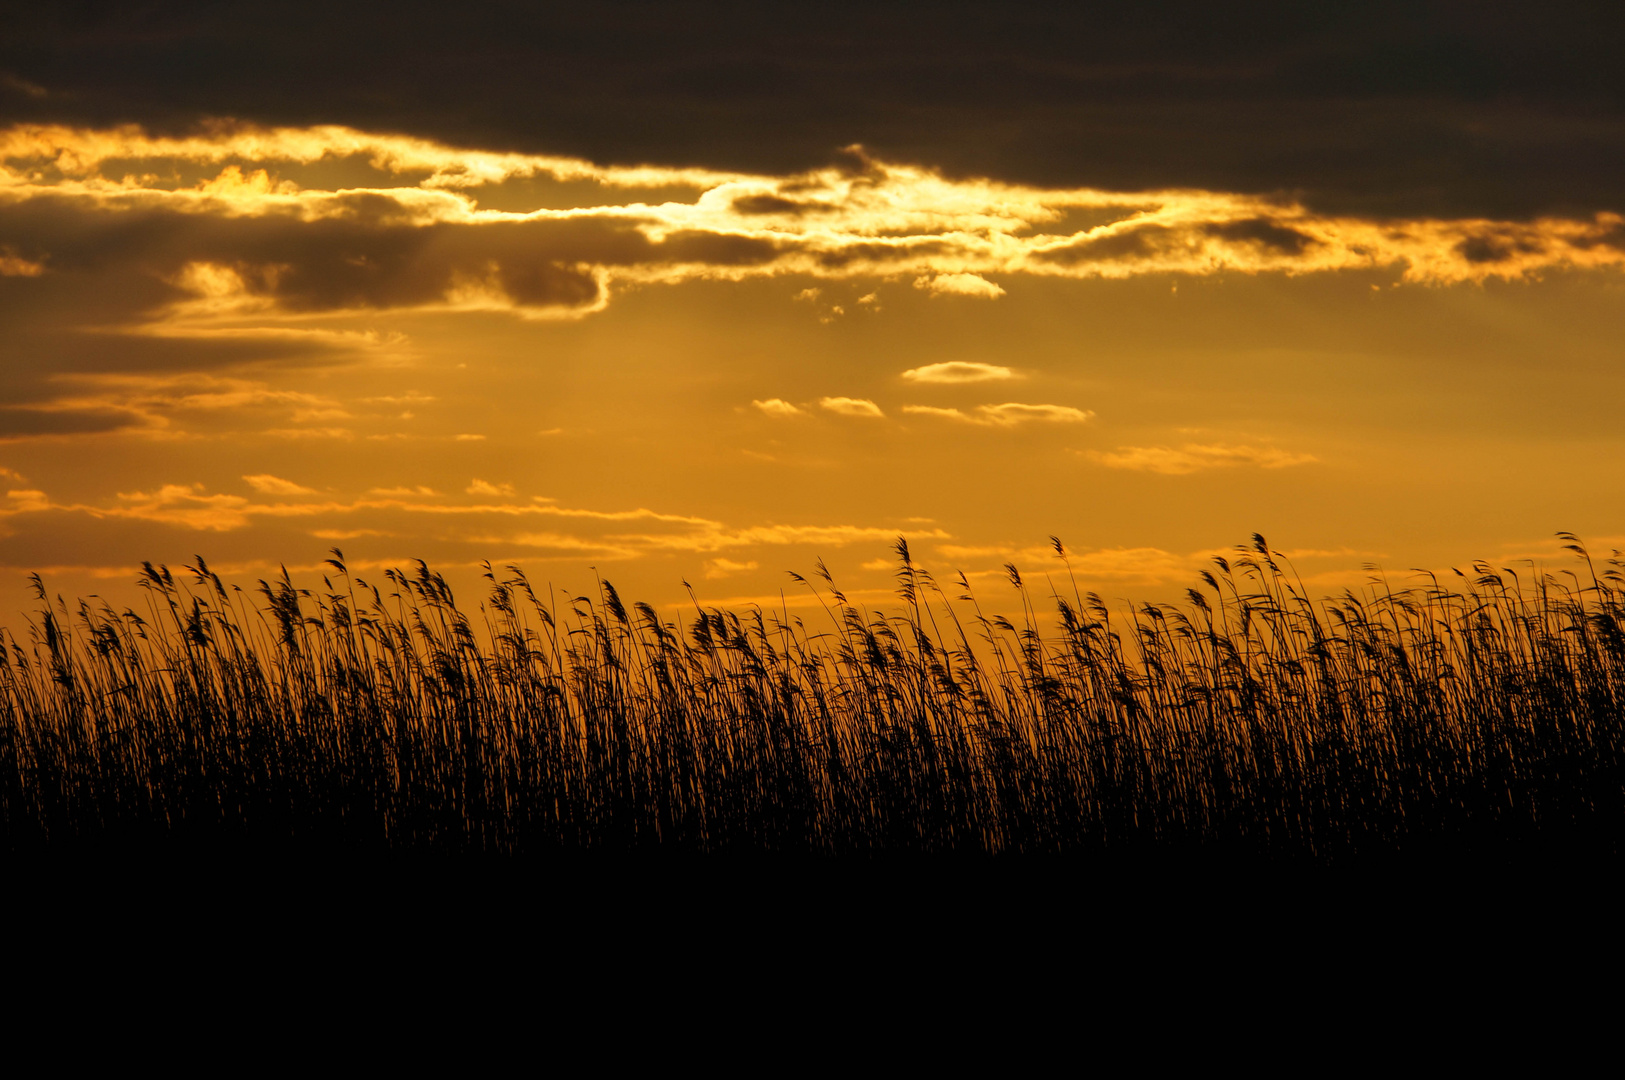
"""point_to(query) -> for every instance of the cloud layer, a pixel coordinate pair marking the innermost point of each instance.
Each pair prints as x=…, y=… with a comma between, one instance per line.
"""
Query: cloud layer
x=420, y=225
x=1430, y=107
x=496, y=518
x=140, y=271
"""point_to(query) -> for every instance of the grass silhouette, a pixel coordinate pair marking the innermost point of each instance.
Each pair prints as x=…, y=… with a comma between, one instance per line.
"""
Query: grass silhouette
x=1249, y=719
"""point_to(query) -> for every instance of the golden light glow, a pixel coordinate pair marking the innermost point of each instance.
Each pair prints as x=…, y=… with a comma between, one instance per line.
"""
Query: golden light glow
x=264, y=341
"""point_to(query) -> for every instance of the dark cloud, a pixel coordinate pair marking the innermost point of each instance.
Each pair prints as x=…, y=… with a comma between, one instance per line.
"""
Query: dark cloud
x=718, y=248
x=106, y=302
x=1493, y=249
x=72, y=351
x=16, y=423
x=1263, y=232
x=1406, y=107
x=773, y=204
x=851, y=253
x=368, y=260
x=1140, y=242
x=330, y=265
x=1611, y=238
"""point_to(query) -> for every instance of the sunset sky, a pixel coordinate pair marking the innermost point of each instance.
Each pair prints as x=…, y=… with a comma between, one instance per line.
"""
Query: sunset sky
x=704, y=293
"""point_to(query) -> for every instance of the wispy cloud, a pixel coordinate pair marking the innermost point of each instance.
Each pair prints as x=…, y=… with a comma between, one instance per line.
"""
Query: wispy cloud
x=958, y=371
x=186, y=505
x=1121, y=565
x=1012, y=412
x=721, y=568
x=620, y=534
x=778, y=407
x=404, y=492
x=412, y=398
x=1195, y=457
x=266, y=484
x=14, y=265
x=1009, y=414
x=959, y=285
x=312, y=433
x=485, y=487
x=846, y=406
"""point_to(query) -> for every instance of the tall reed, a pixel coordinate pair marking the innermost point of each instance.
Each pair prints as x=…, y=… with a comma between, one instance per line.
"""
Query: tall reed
x=1251, y=719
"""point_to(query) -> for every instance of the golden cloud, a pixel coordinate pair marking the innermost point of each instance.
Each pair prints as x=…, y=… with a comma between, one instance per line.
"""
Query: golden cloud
x=184, y=504
x=721, y=568
x=1194, y=457
x=961, y=284
x=403, y=492
x=958, y=371
x=778, y=407
x=1009, y=414
x=416, y=234
x=846, y=406
x=266, y=484
x=621, y=534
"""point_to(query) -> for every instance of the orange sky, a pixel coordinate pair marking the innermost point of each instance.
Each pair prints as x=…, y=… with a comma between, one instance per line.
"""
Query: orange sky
x=256, y=344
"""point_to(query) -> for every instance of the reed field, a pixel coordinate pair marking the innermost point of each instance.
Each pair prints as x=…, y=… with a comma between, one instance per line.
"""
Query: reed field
x=1249, y=719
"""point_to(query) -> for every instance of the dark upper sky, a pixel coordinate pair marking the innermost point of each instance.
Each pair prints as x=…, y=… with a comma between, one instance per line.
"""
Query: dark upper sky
x=1451, y=108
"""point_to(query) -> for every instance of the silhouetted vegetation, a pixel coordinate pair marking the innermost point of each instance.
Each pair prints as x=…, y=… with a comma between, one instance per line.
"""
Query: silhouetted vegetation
x=1250, y=719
